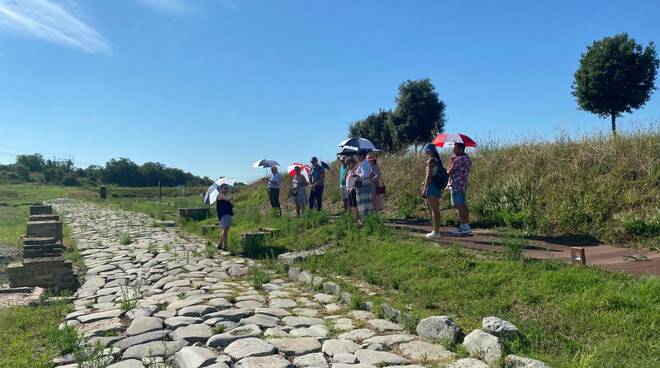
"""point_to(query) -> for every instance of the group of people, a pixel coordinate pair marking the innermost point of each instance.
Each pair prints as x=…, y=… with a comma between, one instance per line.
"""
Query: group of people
x=362, y=186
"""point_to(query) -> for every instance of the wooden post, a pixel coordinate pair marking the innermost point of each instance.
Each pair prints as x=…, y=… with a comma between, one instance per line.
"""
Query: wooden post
x=103, y=192
x=160, y=193
x=578, y=256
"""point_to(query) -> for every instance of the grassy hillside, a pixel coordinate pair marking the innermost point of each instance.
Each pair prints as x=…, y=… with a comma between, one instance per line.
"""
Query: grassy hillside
x=572, y=317
x=600, y=186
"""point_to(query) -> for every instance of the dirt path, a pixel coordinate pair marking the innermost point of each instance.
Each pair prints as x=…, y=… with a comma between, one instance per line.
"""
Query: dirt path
x=606, y=256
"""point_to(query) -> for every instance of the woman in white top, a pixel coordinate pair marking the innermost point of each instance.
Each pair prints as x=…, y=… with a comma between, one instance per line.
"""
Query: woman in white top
x=299, y=192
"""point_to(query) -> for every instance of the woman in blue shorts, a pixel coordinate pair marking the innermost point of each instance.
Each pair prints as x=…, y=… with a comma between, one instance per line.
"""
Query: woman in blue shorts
x=430, y=191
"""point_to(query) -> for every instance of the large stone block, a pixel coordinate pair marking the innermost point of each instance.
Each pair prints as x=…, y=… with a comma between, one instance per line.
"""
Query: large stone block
x=45, y=229
x=41, y=209
x=44, y=218
x=52, y=273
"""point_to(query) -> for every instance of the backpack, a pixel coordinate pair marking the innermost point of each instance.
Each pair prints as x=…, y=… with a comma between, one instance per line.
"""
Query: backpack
x=440, y=179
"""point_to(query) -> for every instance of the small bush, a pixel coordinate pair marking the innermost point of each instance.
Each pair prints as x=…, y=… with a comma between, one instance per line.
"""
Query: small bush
x=70, y=181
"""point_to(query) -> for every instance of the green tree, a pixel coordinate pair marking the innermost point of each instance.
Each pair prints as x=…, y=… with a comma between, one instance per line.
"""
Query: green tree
x=616, y=75
x=379, y=129
x=33, y=162
x=419, y=112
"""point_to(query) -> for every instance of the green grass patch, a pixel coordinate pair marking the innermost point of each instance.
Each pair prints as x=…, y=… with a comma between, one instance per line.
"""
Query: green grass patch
x=567, y=314
x=30, y=338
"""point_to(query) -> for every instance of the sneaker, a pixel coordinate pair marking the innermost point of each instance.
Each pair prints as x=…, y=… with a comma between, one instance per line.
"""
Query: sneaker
x=433, y=235
x=462, y=231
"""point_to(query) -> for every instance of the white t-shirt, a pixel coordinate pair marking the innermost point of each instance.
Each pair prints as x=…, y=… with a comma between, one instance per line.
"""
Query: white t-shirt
x=275, y=182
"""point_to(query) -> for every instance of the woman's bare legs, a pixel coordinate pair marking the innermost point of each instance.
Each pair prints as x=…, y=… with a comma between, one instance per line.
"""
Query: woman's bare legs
x=433, y=204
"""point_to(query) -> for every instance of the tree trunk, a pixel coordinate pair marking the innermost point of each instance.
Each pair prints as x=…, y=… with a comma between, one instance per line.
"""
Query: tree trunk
x=614, y=123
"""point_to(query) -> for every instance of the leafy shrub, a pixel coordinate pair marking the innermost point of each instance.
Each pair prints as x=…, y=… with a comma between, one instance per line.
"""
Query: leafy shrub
x=640, y=226
x=70, y=181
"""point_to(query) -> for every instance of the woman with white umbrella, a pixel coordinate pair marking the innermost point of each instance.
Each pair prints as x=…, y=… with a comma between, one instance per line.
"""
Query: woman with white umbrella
x=225, y=211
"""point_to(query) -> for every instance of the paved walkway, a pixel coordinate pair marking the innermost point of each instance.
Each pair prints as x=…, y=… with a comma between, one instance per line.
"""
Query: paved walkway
x=605, y=256
x=206, y=312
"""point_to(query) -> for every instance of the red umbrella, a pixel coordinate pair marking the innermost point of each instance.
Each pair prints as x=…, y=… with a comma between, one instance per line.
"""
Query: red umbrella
x=304, y=169
x=446, y=140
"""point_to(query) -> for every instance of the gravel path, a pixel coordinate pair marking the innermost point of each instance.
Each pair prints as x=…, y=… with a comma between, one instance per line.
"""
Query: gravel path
x=193, y=311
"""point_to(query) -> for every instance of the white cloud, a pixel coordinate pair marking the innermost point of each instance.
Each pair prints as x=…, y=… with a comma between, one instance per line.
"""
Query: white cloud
x=49, y=21
x=168, y=6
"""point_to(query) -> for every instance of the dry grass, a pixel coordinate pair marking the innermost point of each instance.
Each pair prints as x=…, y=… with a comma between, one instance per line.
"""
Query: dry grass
x=596, y=186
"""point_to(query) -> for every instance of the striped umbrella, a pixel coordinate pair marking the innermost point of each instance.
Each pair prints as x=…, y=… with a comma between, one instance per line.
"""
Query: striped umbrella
x=448, y=140
x=305, y=170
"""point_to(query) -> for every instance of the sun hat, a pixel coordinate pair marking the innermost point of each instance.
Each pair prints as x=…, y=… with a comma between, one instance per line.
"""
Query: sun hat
x=313, y=159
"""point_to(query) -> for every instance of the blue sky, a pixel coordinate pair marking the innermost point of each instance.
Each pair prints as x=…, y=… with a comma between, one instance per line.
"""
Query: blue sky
x=211, y=86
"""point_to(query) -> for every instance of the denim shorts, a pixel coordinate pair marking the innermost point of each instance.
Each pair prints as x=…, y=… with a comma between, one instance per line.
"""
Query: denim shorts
x=433, y=191
x=457, y=198
x=226, y=221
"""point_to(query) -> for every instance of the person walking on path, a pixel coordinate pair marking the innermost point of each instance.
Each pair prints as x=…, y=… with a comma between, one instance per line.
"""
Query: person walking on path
x=298, y=191
x=430, y=190
x=343, y=191
x=459, y=170
x=317, y=179
x=225, y=212
x=351, y=178
x=274, y=186
x=364, y=187
x=377, y=181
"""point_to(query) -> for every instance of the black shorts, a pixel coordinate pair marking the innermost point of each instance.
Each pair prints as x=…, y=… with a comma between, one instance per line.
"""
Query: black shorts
x=352, y=198
x=274, y=196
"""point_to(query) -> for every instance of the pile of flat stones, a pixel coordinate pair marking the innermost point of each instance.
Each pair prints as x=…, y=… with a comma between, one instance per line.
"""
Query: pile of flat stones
x=161, y=302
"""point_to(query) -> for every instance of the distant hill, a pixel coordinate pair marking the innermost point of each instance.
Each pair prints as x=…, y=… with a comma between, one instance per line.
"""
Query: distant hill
x=122, y=172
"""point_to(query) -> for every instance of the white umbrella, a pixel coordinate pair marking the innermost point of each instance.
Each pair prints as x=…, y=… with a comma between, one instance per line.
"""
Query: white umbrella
x=212, y=193
x=357, y=144
x=265, y=164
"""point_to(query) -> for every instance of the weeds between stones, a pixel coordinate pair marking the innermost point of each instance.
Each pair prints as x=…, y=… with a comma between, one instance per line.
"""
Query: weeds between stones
x=130, y=296
x=153, y=248
x=210, y=250
x=218, y=329
x=91, y=357
x=125, y=239
x=259, y=278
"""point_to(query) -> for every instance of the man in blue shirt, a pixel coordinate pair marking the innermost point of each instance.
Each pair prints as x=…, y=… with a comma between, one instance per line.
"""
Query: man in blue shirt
x=317, y=181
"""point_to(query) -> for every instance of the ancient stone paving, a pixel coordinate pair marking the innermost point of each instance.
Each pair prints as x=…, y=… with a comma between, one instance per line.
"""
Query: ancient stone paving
x=161, y=302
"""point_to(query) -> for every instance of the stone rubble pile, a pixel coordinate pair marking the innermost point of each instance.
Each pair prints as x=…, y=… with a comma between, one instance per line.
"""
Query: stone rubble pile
x=159, y=302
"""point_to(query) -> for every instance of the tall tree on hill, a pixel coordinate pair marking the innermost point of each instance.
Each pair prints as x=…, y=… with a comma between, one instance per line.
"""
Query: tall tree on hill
x=34, y=162
x=616, y=75
x=419, y=112
x=379, y=129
